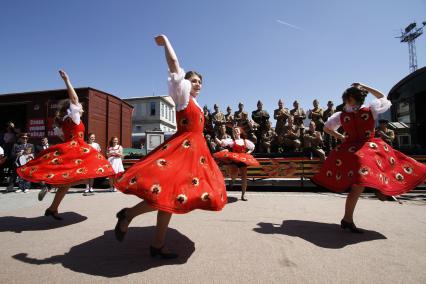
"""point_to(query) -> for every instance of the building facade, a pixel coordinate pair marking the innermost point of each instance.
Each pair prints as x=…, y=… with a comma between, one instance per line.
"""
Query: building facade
x=408, y=99
x=153, y=113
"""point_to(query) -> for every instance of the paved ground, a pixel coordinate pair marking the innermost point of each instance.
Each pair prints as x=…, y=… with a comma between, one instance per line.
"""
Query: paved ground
x=274, y=237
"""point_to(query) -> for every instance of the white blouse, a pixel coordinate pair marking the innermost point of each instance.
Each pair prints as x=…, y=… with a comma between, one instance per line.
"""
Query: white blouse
x=74, y=112
x=180, y=90
x=377, y=106
x=228, y=142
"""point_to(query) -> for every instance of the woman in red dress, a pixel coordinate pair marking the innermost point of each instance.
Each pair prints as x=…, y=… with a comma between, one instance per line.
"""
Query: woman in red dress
x=70, y=163
x=238, y=159
x=362, y=160
x=180, y=175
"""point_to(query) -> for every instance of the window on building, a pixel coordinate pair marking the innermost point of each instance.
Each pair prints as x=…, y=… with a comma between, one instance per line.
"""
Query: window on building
x=167, y=112
x=162, y=109
x=152, y=108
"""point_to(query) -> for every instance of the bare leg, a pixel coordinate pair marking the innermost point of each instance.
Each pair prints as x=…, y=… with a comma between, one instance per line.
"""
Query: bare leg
x=243, y=171
x=59, y=195
x=138, y=209
x=234, y=172
x=62, y=190
x=163, y=220
x=351, y=201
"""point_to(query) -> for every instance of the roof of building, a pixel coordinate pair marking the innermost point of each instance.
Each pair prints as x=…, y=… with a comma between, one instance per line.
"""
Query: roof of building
x=63, y=90
x=406, y=79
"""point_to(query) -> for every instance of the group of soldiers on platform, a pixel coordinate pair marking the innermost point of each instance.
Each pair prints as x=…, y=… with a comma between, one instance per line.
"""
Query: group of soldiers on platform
x=290, y=133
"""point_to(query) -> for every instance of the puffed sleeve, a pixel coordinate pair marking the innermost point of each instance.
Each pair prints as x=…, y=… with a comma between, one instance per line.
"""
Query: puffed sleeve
x=74, y=112
x=378, y=106
x=179, y=89
x=333, y=121
x=228, y=142
x=250, y=145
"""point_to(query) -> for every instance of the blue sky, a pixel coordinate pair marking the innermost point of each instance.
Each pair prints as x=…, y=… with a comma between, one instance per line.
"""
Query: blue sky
x=240, y=47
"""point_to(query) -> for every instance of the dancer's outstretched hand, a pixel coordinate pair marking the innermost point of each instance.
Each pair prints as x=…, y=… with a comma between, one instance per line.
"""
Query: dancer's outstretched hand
x=64, y=75
x=161, y=40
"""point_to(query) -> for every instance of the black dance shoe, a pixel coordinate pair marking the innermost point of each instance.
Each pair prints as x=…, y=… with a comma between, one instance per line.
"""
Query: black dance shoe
x=243, y=198
x=154, y=252
x=351, y=226
x=52, y=213
x=121, y=216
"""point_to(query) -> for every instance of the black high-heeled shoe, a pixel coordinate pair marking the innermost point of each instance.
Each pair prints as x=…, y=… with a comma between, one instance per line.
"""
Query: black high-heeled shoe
x=154, y=252
x=351, y=226
x=243, y=198
x=121, y=216
x=52, y=213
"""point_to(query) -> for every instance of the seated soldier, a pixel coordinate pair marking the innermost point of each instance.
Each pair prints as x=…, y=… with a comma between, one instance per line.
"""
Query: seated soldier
x=313, y=141
x=291, y=135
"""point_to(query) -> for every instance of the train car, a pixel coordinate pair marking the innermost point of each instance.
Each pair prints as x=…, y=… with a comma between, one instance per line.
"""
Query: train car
x=104, y=114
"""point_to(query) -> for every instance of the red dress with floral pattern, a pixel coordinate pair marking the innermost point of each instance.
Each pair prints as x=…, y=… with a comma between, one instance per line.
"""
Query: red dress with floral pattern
x=68, y=162
x=367, y=161
x=238, y=156
x=180, y=175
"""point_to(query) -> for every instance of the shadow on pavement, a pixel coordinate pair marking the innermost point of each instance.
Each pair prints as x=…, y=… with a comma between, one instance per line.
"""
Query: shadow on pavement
x=232, y=199
x=320, y=234
x=21, y=224
x=104, y=256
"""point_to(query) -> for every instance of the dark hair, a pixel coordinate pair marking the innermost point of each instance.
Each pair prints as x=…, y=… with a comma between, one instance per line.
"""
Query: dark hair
x=61, y=112
x=356, y=93
x=110, y=140
x=189, y=74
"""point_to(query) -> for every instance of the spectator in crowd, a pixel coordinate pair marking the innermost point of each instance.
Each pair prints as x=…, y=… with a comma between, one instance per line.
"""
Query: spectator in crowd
x=44, y=144
x=238, y=115
x=268, y=137
x=218, y=119
x=229, y=118
x=280, y=115
x=25, y=157
x=316, y=115
x=384, y=132
x=18, y=149
x=248, y=126
x=298, y=114
x=291, y=135
x=208, y=122
x=313, y=141
x=329, y=141
x=261, y=117
x=92, y=142
x=115, y=156
x=222, y=135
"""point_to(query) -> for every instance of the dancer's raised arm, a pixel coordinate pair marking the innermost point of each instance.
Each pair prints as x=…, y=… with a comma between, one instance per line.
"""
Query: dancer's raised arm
x=71, y=92
x=172, y=60
x=371, y=90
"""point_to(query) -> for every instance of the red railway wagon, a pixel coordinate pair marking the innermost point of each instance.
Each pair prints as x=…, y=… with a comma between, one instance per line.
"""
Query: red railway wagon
x=104, y=114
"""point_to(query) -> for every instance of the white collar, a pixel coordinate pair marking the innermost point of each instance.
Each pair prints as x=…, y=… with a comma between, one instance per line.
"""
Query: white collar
x=353, y=108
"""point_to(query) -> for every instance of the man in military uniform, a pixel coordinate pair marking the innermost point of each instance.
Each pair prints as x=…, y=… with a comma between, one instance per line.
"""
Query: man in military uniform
x=290, y=137
x=329, y=141
x=208, y=122
x=280, y=115
x=384, y=132
x=229, y=118
x=298, y=115
x=315, y=115
x=268, y=136
x=239, y=113
x=313, y=141
x=248, y=126
x=261, y=117
x=218, y=119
